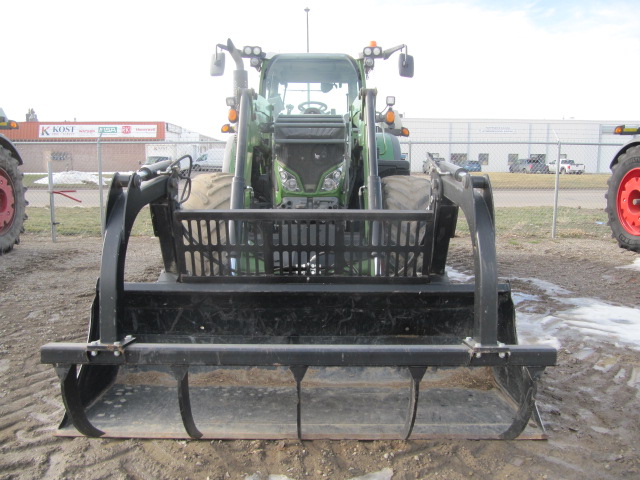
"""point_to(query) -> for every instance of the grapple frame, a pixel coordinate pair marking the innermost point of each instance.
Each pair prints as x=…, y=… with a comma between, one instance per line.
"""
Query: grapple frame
x=247, y=303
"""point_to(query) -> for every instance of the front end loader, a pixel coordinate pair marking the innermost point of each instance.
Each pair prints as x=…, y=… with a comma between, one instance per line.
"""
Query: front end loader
x=304, y=292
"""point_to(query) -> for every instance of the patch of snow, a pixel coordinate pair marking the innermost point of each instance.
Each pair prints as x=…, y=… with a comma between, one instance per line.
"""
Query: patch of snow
x=549, y=288
x=384, y=474
x=533, y=330
x=591, y=317
x=72, y=178
x=634, y=266
x=456, y=276
x=519, y=297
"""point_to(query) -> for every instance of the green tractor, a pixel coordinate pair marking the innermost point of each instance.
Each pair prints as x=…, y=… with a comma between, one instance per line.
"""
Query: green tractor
x=12, y=201
x=304, y=292
x=302, y=141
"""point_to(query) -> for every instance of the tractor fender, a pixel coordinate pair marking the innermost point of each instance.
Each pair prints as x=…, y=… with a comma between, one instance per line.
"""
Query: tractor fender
x=6, y=143
x=635, y=141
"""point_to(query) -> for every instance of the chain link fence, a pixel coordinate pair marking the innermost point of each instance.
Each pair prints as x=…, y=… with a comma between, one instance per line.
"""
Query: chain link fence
x=531, y=197
x=65, y=195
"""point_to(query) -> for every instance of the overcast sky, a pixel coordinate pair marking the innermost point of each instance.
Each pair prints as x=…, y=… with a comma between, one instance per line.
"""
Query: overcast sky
x=133, y=60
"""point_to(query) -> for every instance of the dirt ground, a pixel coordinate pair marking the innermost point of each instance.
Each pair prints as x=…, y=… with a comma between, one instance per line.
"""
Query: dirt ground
x=589, y=401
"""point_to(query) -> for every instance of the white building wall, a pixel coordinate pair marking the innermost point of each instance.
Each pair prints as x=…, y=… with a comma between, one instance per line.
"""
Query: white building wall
x=500, y=138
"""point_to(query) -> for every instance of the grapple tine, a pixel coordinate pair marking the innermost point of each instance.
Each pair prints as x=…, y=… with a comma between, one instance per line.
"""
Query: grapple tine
x=416, y=377
x=299, y=372
x=181, y=374
x=68, y=375
x=525, y=409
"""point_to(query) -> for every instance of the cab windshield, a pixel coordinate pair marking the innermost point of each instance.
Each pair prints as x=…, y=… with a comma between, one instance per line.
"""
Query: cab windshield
x=324, y=84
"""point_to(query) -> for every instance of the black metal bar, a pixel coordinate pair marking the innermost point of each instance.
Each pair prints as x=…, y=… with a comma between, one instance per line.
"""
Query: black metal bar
x=181, y=374
x=238, y=186
x=458, y=187
x=72, y=401
x=346, y=285
x=299, y=372
x=121, y=214
x=299, y=354
x=313, y=215
x=416, y=377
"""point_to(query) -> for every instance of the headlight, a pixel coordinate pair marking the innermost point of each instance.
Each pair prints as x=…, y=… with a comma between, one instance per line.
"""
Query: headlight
x=247, y=50
x=377, y=51
x=287, y=180
x=367, y=51
x=332, y=180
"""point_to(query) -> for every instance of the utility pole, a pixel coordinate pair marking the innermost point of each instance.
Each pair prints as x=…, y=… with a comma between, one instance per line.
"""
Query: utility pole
x=308, y=85
x=307, y=10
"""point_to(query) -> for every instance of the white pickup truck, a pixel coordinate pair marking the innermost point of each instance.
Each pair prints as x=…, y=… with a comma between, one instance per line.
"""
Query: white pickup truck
x=567, y=166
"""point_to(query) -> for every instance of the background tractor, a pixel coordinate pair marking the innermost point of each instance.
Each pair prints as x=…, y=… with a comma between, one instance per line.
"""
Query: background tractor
x=304, y=292
x=12, y=201
x=623, y=194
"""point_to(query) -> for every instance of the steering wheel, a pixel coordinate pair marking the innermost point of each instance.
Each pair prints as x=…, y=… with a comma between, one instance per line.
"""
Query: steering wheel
x=312, y=107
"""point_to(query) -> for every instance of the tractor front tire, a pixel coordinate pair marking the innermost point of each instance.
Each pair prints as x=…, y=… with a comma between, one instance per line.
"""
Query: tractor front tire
x=210, y=192
x=404, y=192
x=12, y=202
x=623, y=200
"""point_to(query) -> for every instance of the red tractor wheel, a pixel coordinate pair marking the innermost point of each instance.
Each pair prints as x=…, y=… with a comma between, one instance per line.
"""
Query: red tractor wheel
x=623, y=200
x=12, y=202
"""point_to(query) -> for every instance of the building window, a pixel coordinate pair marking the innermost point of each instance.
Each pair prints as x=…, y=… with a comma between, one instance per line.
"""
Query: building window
x=458, y=158
x=513, y=157
x=60, y=156
x=483, y=158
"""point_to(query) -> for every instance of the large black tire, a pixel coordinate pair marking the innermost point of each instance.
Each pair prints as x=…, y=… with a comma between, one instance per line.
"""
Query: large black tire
x=12, y=202
x=403, y=192
x=623, y=200
x=210, y=191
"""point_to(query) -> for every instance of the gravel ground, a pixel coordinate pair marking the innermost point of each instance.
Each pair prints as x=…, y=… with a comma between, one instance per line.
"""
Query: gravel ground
x=589, y=401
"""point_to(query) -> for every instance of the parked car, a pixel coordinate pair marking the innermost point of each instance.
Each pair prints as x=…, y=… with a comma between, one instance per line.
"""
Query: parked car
x=210, y=161
x=567, y=166
x=529, y=165
x=472, y=166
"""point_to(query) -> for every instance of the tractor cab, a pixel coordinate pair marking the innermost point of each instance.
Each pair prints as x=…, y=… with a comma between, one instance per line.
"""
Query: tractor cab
x=311, y=96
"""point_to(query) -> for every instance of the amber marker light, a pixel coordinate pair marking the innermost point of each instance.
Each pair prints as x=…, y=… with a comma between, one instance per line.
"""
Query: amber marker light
x=390, y=117
x=226, y=128
x=233, y=115
x=405, y=132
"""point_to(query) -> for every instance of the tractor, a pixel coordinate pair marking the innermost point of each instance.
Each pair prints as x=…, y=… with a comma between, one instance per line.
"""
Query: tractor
x=12, y=200
x=623, y=193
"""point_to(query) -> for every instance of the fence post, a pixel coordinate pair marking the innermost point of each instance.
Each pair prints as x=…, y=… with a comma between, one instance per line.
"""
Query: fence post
x=100, y=188
x=556, y=189
x=52, y=207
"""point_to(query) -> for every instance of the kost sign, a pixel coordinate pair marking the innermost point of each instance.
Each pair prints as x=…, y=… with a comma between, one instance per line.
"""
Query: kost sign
x=95, y=131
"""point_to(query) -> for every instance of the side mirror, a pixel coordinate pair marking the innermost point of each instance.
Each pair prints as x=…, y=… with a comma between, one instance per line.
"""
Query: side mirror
x=405, y=65
x=217, y=64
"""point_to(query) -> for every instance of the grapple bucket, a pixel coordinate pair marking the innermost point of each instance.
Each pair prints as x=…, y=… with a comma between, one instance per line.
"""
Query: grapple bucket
x=296, y=324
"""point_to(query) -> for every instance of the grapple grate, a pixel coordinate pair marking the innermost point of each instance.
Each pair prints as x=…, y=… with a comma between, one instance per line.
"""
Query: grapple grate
x=303, y=243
